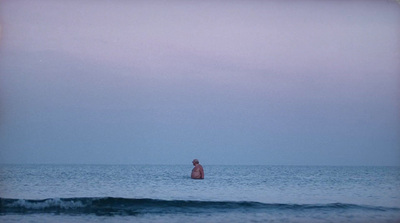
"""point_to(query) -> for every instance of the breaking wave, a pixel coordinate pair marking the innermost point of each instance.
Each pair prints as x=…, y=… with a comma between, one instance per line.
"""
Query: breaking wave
x=130, y=206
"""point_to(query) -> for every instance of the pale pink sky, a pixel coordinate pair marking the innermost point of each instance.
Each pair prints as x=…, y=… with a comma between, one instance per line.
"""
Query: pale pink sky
x=265, y=82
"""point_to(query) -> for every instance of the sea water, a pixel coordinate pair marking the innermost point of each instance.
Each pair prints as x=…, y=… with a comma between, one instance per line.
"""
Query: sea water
x=158, y=193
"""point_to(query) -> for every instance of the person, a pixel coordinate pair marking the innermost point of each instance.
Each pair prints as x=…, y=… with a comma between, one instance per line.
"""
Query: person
x=197, y=172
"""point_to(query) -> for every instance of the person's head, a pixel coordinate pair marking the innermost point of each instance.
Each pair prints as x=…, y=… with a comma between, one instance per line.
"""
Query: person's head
x=195, y=161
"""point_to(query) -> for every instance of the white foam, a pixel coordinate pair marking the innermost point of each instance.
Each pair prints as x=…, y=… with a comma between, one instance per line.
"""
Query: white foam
x=50, y=203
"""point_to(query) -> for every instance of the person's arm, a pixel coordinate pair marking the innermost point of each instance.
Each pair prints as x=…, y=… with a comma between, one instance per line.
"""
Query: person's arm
x=201, y=173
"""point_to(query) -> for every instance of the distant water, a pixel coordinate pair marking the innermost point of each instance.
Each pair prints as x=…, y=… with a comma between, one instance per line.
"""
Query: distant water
x=150, y=193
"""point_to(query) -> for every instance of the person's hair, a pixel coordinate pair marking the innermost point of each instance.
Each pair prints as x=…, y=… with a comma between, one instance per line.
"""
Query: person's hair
x=196, y=161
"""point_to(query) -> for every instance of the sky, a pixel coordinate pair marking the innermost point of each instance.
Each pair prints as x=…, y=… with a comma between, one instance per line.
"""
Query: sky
x=228, y=82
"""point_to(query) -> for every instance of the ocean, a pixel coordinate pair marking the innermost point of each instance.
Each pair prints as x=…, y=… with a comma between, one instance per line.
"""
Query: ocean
x=229, y=193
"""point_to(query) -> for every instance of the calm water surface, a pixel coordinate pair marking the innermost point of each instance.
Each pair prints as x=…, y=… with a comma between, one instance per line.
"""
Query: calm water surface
x=156, y=193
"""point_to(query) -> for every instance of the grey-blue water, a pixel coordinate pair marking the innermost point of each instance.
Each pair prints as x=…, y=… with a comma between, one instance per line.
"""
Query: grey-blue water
x=156, y=193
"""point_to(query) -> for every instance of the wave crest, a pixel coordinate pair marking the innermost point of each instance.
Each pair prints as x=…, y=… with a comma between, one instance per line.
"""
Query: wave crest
x=130, y=206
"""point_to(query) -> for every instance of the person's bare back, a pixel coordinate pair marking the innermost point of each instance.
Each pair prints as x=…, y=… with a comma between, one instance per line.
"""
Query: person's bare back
x=197, y=172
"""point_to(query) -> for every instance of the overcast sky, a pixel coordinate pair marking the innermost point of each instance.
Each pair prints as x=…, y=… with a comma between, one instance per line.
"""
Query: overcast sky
x=227, y=82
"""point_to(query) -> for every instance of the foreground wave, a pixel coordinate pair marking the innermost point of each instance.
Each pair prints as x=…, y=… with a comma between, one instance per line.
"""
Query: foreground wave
x=129, y=206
